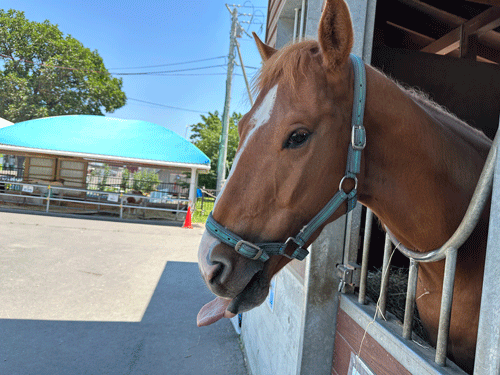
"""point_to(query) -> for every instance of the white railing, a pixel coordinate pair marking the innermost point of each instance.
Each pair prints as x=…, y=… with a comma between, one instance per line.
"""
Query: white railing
x=48, y=193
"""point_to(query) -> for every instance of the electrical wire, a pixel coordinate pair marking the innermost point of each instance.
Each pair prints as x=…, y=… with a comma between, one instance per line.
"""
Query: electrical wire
x=166, y=71
x=171, y=64
x=166, y=106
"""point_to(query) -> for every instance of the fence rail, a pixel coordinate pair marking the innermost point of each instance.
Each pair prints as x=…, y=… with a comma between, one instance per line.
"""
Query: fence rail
x=93, y=197
x=108, y=183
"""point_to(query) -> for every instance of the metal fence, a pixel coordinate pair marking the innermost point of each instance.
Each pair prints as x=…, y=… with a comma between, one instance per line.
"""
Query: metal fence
x=487, y=354
x=120, y=201
x=112, y=184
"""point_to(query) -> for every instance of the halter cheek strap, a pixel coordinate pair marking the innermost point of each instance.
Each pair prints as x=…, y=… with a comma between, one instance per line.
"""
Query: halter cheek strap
x=263, y=251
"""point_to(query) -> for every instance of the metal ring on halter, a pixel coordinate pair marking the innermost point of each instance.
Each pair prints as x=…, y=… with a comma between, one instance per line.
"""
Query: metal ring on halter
x=352, y=178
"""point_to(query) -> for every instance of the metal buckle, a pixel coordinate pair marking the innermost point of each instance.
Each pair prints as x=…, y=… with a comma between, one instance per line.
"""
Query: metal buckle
x=294, y=240
x=358, y=133
x=249, y=244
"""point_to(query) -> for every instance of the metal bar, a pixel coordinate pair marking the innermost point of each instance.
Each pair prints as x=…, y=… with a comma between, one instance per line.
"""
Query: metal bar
x=410, y=299
x=121, y=206
x=446, y=302
x=98, y=203
x=382, y=301
x=369, y=30
x=488, y=335
x=48, y=198
x=302, y=15
x=295, y=22
x=364, y=261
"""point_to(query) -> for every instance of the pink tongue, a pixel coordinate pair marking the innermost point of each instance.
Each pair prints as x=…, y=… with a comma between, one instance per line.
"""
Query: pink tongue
x=214, y=311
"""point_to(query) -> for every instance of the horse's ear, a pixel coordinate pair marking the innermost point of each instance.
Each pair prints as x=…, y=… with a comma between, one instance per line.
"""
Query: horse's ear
x=335, y=34
x=265, y=51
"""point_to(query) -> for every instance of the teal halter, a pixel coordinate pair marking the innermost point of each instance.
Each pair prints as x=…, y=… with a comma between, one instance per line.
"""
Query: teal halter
x=262, y=251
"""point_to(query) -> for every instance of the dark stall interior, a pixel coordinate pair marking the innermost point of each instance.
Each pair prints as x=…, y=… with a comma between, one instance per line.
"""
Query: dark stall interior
x=448, y=49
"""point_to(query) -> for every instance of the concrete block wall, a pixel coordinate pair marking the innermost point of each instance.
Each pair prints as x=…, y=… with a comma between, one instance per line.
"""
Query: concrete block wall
x=272, y=338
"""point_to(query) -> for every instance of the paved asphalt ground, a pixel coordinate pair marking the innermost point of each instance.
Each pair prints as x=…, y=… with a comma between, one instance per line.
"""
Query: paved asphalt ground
x=96, y=297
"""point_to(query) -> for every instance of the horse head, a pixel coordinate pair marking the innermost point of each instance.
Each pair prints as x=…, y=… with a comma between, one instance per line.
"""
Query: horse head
x=290, y=161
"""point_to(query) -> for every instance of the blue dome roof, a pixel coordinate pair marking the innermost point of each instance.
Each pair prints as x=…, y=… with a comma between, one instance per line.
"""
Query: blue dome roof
x=101, y=135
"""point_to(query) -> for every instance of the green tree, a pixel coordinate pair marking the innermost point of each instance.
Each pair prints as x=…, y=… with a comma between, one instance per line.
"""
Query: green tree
x=206, y=136
x=145, y=180
x=45, y=73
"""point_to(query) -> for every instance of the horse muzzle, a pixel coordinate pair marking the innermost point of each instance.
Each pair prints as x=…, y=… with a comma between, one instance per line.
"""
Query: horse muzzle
x=225, y=272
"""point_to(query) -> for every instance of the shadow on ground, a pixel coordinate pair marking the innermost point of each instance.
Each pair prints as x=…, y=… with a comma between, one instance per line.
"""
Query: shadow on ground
x=165, y=341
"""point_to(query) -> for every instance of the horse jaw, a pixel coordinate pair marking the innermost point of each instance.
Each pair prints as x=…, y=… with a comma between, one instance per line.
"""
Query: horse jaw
x=240, y=285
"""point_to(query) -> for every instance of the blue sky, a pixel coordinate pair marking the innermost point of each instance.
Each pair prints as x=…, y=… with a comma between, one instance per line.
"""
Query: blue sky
x=129, y=34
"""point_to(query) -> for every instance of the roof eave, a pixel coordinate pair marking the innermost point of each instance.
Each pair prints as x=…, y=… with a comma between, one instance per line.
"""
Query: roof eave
x=29, y=150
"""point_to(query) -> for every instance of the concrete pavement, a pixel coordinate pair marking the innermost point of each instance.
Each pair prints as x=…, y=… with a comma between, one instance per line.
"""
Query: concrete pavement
x=100, y=297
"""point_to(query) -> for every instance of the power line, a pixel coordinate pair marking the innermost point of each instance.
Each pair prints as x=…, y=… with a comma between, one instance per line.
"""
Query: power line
x=166, y=106
x=191, y=74
x=171, y=64
x=165, y=71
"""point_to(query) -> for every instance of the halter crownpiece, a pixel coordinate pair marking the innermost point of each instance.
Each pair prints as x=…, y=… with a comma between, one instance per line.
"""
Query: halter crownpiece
x=263, y=251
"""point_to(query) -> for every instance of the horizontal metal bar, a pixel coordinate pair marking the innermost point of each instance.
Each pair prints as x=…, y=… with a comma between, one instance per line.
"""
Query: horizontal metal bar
x=99, y=192
x=95, y=202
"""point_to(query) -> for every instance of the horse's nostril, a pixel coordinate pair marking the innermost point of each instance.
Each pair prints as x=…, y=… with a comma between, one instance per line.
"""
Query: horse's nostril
x=215, y=272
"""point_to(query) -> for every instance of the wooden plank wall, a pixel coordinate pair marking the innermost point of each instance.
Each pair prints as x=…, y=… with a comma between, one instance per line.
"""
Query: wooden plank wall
x=348, y=340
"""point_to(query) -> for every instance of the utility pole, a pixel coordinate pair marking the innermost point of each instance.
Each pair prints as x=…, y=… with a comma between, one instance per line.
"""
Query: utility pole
x=221, y=164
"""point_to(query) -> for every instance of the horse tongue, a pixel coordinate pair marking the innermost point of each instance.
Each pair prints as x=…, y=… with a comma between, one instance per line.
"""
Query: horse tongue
x=214, y=311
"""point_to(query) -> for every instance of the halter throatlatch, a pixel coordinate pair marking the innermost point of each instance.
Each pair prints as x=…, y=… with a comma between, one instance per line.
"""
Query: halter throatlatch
x=262, y=251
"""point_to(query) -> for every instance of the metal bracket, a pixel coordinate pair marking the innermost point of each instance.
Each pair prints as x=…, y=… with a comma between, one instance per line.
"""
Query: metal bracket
x=349, y=275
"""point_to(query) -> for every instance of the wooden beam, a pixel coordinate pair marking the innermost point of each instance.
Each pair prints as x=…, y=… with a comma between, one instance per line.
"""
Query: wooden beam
x=495, y=3
x=479, y=25
x=439, y=14
x=416, y=37
x=490, y=39
x=445, y=44
x=484, y=53
x=484, y=22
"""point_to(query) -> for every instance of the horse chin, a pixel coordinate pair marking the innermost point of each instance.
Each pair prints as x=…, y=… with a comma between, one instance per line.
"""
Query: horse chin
x=252, y=296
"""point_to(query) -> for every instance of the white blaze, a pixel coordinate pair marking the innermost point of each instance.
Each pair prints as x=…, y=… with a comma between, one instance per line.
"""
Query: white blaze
x=260, y=117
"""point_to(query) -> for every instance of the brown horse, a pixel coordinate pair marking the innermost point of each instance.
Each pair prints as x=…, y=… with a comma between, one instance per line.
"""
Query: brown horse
x=418, y=173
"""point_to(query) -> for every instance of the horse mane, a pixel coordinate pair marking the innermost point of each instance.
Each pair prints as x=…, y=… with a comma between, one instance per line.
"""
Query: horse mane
x=286, y=65
x=290, y=62
x=474, y=137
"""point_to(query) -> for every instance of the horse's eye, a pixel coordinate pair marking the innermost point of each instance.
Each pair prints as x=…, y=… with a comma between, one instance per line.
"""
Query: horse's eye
x=297, y=138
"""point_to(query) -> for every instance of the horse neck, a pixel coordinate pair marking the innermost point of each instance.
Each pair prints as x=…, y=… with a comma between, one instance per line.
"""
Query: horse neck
x=419, y=170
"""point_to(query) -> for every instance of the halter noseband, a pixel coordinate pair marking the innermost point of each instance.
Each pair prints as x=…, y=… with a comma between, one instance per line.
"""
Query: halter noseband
x=262, y=251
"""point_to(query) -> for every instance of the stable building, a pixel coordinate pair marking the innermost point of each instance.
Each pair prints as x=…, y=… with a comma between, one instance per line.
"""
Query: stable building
x=450, y=50
x=59, y=149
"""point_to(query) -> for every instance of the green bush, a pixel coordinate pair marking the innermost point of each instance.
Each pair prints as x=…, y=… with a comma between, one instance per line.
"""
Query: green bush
x=124, y=185
x=145, y=181
x=104, y=179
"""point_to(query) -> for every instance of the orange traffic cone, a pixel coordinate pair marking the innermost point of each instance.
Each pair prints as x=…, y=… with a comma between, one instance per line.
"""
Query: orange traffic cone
x=187, y=221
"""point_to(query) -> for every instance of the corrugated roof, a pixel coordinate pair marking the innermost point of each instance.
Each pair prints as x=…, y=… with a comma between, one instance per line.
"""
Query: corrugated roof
x=99, y=135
